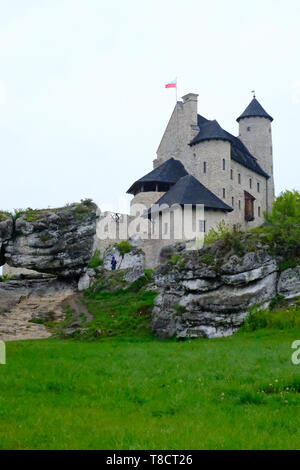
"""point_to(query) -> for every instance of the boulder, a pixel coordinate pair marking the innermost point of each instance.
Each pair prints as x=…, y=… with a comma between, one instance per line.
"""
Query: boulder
x=208, y=292
x=289, y=283
x=55, y=241
x=135, y=258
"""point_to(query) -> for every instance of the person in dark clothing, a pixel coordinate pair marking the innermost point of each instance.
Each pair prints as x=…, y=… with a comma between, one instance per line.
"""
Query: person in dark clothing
x=113, y=263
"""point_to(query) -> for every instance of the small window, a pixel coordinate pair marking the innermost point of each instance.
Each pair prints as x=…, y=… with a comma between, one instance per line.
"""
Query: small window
x=231, y=174
x=258, y=210
x=250, y=183
x=258, y=187
x=166, y=229
x=224, y=193
x=239, y=178
x=232, y=201
x=201, y=225
x=194, y=154
x=204, y=167
x=239, y=205
x=248, y=129
x=223, y=164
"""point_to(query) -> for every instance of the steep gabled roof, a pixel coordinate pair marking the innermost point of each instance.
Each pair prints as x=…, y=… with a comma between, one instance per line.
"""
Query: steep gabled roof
x=168, y=172
x=254, y=109
x=211, y=130
x=188, y=190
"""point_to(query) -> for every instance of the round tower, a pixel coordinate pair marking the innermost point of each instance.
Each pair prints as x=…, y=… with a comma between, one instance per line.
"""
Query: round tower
x=256, y=133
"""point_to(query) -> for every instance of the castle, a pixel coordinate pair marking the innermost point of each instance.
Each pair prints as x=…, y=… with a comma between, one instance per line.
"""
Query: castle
x=199, y=162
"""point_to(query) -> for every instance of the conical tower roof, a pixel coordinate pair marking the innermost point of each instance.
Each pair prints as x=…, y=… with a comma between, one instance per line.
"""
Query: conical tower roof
x=255, y=109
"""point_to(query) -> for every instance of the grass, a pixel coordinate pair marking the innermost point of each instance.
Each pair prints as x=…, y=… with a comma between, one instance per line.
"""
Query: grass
x=240, y=392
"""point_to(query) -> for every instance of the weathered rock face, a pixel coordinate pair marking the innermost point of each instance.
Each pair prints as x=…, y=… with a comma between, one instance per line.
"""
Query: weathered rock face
x=27, y=297
x=133, y=262
x=55, y=241
x=289, y=283
x=6, y=231
x=207, y=293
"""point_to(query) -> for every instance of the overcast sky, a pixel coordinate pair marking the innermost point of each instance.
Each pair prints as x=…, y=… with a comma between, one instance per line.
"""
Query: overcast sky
x=83, y=105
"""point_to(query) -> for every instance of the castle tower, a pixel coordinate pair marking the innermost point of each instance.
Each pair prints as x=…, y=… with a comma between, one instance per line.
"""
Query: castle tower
x=256, y=133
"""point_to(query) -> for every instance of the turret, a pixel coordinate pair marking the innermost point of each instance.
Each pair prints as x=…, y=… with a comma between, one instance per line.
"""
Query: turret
x=256, y=133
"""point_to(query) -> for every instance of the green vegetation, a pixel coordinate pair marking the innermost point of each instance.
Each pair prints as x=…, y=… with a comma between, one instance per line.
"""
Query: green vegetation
x=281, y=318
x=125, y=311
x=240, y=392
x=282, y=228
x=5, y=277
x=96, y=261
x=4, y=215
x=124, y=247
x=80, y=210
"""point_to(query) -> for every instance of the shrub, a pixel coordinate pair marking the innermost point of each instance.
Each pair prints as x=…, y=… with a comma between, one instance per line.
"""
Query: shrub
x=216, y=234
x=95, y=261
x=282, y=227
x=124, y=247
x=281, y=319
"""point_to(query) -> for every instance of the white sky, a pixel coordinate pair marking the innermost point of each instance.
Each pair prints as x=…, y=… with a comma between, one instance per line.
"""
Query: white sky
x=82, y=99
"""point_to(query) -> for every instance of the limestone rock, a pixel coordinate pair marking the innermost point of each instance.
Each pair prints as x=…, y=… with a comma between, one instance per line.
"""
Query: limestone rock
x=55, y=241
x=289, y=283
x=6, y=231
x=133, y=259
x=208, y=292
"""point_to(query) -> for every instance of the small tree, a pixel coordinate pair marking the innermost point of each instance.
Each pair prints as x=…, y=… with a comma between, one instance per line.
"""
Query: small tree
x=282, y=226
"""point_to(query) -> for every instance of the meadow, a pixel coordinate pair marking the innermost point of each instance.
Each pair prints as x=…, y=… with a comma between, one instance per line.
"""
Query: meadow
x=241, y=392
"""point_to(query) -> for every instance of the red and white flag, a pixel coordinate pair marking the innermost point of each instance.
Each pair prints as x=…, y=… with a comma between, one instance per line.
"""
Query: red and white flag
x=172, y=84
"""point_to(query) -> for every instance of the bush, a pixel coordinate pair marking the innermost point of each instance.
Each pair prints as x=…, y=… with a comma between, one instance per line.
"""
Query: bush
x=95, y=261
x=282, y=227
x=281, y=319
x=124, y=247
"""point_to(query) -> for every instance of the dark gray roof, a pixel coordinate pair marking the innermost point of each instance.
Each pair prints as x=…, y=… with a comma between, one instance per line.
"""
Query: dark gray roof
x=188, y=190
x=211, y=130
x=169, y=172
x=255, y=109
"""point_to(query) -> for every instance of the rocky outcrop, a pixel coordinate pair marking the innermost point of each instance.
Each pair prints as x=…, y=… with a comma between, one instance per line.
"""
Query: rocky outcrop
x=207, y=293
x=132, y=263
x=6, y=231
x=28, y=300
x=289, y=283
x=54, y=241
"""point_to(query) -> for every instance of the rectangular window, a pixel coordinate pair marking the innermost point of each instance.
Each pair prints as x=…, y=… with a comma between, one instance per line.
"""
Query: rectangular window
x=201, y=225
x=258, y=187
x=250, y=183
x=224, y=193
x=231, y=174
x=224, y=164
x=239, y=205
x=258, y=211
x=204, y=167
x=232, y=201
x=239, y=178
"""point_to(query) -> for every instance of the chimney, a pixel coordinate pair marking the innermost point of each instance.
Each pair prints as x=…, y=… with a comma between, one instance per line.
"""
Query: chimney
x=190, y=108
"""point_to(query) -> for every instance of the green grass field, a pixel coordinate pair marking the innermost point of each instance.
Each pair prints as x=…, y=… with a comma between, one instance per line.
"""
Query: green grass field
x=240, y=392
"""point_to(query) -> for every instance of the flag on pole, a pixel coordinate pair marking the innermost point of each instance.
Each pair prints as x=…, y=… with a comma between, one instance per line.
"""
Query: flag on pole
x=172, y=84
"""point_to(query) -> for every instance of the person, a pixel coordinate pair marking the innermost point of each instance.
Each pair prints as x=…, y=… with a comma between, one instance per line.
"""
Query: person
x=113, y=263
